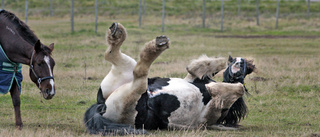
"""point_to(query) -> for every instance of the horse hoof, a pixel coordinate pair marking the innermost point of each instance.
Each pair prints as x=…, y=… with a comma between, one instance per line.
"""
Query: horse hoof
x=162, y=40
x=113, y=28
x=19, y=127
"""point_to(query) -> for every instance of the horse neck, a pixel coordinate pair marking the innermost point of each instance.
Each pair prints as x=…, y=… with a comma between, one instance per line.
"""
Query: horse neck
x=17, y=48
x=18, y=51
x=190, y=78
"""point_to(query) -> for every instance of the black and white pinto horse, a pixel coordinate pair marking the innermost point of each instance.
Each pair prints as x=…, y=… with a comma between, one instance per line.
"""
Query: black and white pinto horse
x=124, y=100
x=19, y=45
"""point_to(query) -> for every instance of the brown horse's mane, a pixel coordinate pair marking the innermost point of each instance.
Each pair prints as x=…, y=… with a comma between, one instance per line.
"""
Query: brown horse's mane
x=24, y=31
x=22, y=28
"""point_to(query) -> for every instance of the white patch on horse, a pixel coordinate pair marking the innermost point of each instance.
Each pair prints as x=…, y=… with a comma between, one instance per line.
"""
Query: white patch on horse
x=47, y=60
x=235, y=68
x=190, y=99
x=8, y=28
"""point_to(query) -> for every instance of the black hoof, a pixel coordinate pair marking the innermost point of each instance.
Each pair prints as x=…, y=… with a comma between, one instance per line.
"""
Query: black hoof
x=113, y=28
x=162, y=40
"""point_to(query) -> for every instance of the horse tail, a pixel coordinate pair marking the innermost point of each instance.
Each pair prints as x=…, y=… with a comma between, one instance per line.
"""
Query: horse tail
x=97, y=124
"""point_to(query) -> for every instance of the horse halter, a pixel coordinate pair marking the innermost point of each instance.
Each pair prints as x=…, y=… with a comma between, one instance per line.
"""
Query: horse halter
x=34, y=73
x=239, y=75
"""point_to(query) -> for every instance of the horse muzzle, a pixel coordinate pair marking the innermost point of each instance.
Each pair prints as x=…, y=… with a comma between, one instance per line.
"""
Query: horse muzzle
x=48, y=91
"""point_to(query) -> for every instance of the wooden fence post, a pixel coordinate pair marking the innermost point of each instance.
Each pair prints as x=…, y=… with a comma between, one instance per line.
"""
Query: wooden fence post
x=51, y=10
x=277, y=14
x=72, y=6
x=221, y=26
x=239, y=7
x=308, y=8
x=96, y=19
x=2, y=4
x=204, y=14
x=258, y=12
x=163, y=13
x=26, y=12
x=140, y=13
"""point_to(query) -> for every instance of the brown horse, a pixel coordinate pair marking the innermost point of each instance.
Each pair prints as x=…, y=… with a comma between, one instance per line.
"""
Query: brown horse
x=19, y=45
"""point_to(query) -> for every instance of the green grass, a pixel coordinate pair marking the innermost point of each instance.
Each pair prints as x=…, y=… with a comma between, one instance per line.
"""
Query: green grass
x=286, y=104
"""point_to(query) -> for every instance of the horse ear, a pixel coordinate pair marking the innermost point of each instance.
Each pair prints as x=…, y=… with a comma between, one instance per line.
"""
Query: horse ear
x=37, y=46
x=51, y=46
x=230, y=59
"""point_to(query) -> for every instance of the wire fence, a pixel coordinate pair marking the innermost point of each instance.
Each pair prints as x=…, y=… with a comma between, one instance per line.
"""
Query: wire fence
x=205, y=9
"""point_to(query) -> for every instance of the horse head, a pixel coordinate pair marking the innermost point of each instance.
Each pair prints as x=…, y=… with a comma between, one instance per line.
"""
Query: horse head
x=41, y=69
x=238, y=69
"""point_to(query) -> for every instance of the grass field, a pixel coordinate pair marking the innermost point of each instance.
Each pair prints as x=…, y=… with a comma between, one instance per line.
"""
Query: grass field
x=285, y=90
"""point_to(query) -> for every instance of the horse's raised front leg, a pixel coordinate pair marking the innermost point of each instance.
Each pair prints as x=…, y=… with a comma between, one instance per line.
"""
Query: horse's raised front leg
x=122, y=65
x=122, y=102
x=15, y=96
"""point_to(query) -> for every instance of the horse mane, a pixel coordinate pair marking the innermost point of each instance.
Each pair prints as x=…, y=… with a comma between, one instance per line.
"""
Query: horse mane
x=250, y=66
x=24, y=31
x=206, y=66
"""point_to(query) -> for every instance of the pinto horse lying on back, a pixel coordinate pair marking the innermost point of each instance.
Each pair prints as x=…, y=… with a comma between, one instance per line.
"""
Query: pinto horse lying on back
x=127, y=98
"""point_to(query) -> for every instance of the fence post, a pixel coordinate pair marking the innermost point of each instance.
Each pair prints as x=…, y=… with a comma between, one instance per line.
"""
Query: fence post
x=258, y=12
x=140, y=13
x=308, y=8
x=72, y=5
x=239, y=7
x=26, y=12
x=96, y=19
x=2, y=4
x=222, y=5
x=204, y=14
x=51, y=10
x=163, y=13
x=277, y=14
x=144, y=7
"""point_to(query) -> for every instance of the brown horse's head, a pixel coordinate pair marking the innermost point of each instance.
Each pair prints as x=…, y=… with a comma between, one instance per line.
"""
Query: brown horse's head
x=41, y=69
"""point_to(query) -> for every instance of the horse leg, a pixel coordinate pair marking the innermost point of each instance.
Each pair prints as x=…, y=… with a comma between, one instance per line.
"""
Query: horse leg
x=122, y=65
x=122, y=102
x=15, y=95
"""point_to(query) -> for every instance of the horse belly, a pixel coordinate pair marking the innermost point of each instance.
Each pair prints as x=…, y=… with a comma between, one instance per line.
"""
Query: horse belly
x=190, y=99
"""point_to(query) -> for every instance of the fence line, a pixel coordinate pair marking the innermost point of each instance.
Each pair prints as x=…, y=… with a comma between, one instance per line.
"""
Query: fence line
x=143, y=9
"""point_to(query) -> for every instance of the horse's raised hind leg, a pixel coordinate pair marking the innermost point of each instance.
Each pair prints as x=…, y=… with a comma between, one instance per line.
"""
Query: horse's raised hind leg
x=122, y=102
x=116, y=35
x=122, y=65
x=15, y=95
x=151, y=51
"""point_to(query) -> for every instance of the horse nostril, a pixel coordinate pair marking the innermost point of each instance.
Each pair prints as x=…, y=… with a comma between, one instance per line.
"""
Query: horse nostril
x=47, y=91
